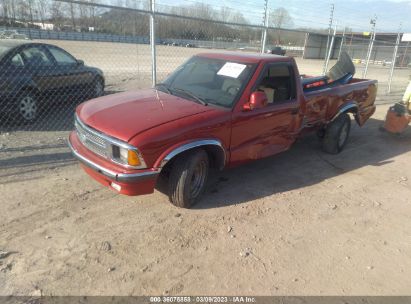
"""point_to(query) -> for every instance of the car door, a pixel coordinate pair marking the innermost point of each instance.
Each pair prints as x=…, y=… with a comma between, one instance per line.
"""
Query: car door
x=39, y=65
x=272, y=129
x=72, y=72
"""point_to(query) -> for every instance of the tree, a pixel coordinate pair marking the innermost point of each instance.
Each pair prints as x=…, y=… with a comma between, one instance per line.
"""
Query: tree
x=57, y=13
x=73, y=15
x=42, y=9
x=279, y=18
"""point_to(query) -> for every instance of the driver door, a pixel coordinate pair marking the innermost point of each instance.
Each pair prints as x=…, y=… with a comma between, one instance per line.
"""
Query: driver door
x=266, y=131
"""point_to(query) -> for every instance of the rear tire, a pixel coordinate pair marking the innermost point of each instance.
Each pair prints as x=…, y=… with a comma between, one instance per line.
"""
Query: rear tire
x=188, y=178
x=98, y=88
x=336, y=134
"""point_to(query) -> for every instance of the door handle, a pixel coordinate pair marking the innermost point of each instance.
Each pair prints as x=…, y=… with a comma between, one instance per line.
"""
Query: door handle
x=294, y=111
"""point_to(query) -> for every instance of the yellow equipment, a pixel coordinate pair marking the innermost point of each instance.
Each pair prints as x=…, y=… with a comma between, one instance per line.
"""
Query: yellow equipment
x=399, y=115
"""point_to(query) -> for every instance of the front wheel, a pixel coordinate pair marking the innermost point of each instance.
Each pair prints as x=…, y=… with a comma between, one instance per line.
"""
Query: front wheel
x=188, y=178
x=27, y=107
x=336, y=134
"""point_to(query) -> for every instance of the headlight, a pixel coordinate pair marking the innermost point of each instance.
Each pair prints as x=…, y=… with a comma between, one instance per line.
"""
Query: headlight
x=129, y=157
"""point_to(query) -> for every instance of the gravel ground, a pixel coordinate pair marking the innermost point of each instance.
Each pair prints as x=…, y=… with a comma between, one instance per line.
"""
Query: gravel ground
x=300, y=223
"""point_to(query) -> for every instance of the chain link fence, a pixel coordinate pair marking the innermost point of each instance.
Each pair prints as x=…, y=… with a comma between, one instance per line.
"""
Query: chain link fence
x=45, y=74
x=381, y=63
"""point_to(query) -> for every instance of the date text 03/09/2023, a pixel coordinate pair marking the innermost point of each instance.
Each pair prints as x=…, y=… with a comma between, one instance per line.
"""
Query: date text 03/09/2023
x=202, y=299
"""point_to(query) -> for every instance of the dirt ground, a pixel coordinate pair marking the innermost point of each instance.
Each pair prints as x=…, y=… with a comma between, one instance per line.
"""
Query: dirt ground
x=300, y=223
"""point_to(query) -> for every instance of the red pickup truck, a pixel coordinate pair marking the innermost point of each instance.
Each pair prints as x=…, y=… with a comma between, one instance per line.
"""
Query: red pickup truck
x=217, y=110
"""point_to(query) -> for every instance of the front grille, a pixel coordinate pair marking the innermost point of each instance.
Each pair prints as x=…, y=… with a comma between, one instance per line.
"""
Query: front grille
x=91, y=140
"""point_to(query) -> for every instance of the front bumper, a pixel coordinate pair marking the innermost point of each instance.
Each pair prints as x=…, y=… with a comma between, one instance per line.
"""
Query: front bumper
x=129, y=182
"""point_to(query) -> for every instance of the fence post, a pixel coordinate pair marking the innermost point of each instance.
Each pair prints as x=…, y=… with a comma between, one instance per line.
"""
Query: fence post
x=307, y=36
x=264, y=38
x=394, y=58
x=370, y=47
x=328, y=39
x=367, y=62
x=153, y=44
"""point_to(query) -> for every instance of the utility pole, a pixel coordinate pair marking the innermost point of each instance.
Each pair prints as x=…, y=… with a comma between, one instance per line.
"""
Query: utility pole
x=328, y=37
x=330, y=50
x=264, y=34
x=153, y=44
x=394, y=59
x=373, y=22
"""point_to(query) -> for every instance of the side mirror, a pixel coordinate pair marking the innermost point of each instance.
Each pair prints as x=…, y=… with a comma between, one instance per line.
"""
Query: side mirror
x=258, y=100
x=80, y=62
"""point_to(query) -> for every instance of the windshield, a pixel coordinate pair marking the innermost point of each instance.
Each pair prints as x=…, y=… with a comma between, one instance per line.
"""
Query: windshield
x=209, y=80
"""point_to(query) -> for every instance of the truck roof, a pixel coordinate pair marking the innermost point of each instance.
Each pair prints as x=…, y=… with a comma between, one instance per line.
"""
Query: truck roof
x=245, y=57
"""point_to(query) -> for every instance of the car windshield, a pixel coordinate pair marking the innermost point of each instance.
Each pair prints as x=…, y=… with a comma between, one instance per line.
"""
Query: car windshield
x=209, y=80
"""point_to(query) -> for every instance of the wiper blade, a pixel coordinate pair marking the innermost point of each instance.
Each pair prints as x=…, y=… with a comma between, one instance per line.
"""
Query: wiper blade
x=164, y=86
x=191, y=94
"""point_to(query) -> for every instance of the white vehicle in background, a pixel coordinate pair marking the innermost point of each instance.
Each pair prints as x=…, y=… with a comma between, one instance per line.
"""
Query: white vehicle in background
x=12, y=34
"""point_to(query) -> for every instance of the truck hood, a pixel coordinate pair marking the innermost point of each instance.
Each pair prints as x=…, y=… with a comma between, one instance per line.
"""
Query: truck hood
x=125, y=115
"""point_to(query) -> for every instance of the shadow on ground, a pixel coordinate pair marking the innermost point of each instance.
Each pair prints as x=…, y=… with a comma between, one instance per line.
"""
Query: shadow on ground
x=36, y=160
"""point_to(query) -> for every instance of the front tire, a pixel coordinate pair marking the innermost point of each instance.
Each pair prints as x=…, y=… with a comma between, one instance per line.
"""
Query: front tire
x=188, y=178
x=27, y=107
x=336, y=134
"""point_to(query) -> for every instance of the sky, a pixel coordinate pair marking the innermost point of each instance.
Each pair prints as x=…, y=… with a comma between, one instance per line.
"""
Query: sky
x=354, y=14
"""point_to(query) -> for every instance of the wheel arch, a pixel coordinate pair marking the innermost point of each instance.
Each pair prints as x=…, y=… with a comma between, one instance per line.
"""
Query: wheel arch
x=213, y=147
x=27, y=84
x=30, y=88
x=98, y=77
x=349, y=107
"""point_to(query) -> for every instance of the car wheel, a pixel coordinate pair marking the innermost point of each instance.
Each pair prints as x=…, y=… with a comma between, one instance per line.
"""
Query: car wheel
x=98, y=89
x=188, y=178
x=336, y=134
x=27, y=107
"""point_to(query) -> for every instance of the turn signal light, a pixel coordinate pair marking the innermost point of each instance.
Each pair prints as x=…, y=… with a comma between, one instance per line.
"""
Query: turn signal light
x=133, y=159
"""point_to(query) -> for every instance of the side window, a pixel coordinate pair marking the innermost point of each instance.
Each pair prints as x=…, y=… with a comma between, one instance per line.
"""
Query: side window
x=278, y=83
x=35, y=56
x=62, y=57
x=17, y=61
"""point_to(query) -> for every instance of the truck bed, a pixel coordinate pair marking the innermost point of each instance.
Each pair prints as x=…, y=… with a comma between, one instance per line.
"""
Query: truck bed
x=322, y=104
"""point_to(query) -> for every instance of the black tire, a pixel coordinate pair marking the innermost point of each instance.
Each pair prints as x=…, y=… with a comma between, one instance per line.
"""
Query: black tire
x=27, y=107
x=188, y=178
x=98, y=88
x=336, y=134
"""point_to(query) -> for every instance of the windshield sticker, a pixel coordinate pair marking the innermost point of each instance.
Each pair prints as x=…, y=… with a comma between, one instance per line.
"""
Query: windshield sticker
x=231, y=69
